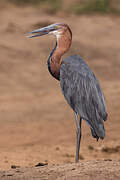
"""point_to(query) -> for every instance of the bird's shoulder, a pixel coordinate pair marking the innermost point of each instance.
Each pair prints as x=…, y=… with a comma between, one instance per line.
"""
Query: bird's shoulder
x=76, y=73
x=76, y=65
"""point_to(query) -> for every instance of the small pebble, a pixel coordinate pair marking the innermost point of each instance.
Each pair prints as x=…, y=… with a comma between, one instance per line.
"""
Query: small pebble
x=14, y=166
x=41, y=164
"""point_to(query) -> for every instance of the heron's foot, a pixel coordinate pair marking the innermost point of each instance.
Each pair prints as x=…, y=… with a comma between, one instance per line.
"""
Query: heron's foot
x=76, y=160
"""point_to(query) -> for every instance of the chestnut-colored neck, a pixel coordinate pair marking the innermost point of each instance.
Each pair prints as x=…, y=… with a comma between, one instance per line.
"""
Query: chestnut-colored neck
x=62, y=45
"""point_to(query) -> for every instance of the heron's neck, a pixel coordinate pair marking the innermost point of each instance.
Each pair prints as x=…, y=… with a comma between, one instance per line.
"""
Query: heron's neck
x=62, y=46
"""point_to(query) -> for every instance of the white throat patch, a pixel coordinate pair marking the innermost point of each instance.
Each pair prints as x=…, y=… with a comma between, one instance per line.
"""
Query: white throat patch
x=57, y=34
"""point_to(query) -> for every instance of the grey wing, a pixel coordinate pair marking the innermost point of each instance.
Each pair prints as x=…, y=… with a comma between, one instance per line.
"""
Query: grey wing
x=83, y=93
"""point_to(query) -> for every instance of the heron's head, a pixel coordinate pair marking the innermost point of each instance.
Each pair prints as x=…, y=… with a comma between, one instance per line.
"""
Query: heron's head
x=57, y=29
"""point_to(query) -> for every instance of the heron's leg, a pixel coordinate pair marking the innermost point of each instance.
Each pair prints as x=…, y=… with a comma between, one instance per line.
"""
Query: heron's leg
x=78, y=136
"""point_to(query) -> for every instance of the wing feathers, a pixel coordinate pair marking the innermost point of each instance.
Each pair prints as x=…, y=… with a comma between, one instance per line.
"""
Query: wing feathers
x=83, y=93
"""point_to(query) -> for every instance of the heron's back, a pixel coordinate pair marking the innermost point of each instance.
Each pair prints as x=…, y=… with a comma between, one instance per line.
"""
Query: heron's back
x=83, y=93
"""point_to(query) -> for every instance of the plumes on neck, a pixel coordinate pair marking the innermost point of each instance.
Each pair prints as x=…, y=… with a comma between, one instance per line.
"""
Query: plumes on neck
x=64, y=39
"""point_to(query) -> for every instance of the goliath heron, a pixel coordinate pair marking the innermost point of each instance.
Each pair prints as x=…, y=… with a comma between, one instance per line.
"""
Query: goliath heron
x=79, y=85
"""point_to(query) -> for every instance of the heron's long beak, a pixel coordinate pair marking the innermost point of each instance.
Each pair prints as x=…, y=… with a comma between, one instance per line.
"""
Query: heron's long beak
x=43, y=31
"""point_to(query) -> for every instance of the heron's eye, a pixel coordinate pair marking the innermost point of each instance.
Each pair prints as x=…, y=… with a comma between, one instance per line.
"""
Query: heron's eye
x=57, y=27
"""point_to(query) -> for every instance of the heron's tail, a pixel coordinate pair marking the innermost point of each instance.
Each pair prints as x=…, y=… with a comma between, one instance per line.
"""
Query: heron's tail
x=98, y=131
x=97, y=127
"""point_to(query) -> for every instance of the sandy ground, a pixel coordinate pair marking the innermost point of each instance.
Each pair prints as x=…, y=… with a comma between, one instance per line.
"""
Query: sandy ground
x=36, y=124
x=89, y=170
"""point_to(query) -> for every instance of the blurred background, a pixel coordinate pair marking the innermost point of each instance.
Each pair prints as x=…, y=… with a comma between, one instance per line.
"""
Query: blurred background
x=36, y=124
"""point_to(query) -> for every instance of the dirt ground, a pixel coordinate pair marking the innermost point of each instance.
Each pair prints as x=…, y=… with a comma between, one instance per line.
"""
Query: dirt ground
x=89, y=170
x=36, y=124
